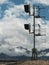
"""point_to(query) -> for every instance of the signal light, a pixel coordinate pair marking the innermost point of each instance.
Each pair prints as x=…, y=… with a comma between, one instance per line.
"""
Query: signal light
x=26, y=26
x=27, y=8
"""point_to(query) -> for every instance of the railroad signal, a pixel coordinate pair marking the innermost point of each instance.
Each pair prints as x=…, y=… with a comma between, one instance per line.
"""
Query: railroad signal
x=27, y=8
x=27, y=27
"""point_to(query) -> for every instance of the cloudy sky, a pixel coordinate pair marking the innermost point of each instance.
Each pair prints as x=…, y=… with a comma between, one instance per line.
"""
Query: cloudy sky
x=14, y=39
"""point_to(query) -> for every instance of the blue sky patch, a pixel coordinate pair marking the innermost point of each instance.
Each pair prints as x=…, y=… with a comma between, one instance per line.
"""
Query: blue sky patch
x=2, y=11
x=17, y=2
x=44, y=12
x=3, y=8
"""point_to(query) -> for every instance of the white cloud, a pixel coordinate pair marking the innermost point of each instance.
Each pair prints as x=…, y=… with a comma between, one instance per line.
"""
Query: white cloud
x=46, y=2
x=3, y=1
x=13, y=32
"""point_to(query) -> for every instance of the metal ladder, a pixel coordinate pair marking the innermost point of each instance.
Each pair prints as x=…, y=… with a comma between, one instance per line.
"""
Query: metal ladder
x=43, y=32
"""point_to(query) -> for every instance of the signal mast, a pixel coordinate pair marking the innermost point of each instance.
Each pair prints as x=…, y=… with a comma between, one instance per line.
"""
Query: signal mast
x=27, y=27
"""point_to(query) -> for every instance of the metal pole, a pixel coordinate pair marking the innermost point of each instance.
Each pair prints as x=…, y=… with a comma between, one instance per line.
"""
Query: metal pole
x=34, y=23
x=34, y=52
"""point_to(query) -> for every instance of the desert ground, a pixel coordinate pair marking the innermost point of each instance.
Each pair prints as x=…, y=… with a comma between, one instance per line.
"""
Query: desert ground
x=31, y=62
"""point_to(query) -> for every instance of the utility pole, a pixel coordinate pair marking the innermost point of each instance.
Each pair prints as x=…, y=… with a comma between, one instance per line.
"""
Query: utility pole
x=27, y=27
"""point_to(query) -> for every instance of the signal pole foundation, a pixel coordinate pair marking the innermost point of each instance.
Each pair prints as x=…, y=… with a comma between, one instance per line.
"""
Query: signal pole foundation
x=34, y=54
